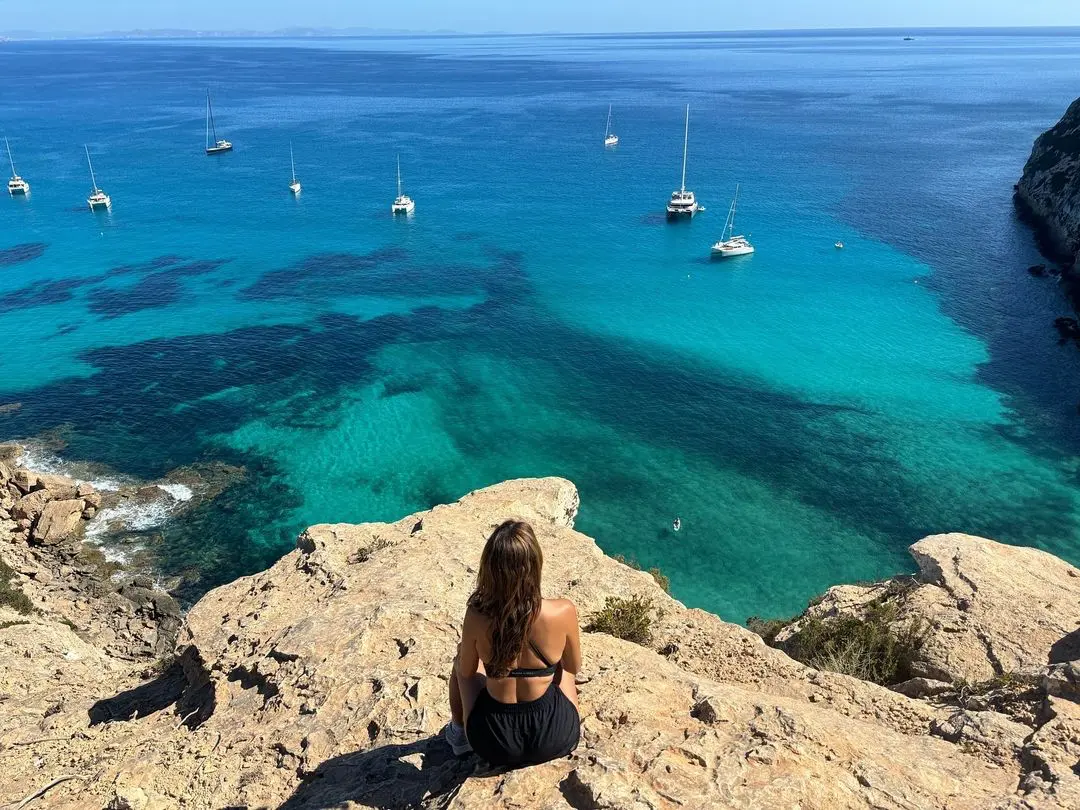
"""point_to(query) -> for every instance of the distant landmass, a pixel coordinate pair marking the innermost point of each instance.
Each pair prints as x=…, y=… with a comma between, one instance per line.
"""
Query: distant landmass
x=239, y=33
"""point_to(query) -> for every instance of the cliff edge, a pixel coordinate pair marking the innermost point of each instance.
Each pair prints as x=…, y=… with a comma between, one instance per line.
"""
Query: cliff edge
x=322, y=681
x=1048, y=193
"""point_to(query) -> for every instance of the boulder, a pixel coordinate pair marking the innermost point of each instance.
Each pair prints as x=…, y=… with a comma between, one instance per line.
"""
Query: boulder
x=28, y=507
x=59, y=487
x=24, y=480
x=992, y=609
x=59, y=521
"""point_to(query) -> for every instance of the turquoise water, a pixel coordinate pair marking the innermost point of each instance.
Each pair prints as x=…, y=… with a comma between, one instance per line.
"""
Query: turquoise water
x=807, y=412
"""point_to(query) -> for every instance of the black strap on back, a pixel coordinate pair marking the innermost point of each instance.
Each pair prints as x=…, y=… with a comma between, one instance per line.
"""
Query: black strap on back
x=540, y=654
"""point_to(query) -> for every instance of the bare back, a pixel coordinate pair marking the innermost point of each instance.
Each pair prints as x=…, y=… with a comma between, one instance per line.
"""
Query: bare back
x=555, y=633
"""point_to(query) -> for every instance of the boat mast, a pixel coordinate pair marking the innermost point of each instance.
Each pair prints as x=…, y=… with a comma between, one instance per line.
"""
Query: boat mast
x=292, y=162
x=734, y=205
x=686, y=140
x=93, y=179
x=11, y=160
x=210, y=117
x=607, y=129
x=399, y=175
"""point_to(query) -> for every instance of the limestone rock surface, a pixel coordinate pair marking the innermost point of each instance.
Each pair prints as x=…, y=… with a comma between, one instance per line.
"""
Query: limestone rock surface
x=321, y=683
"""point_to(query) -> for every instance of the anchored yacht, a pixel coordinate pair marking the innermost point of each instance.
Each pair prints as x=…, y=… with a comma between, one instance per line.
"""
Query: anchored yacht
x=731, y=245
x=98, y=199
x=403, y=203
x=218, y=145
x=294, y=186
x=683, y=203
x=16, y=185
x=610, y=138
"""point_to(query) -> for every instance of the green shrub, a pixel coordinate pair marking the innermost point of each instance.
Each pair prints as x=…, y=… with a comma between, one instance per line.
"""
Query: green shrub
x=10, y=596
x=661, y=579
x=658, y=576
x=768, y=629
x=872, y=647
x=629, y=619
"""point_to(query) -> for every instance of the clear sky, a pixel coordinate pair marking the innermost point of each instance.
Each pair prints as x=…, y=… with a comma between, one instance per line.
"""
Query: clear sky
x=529, y=15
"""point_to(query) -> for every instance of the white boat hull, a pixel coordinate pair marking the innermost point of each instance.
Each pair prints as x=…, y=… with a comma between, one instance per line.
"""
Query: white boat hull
x=18, y=187
x=682, y=213
x=295, y=188
x=403, y=207
x=103, y=203
x=611, y=140
x=719, y=252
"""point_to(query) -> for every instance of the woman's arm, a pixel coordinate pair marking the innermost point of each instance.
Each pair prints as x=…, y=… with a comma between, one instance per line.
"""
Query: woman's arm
x=468, y=658
x=571, y=657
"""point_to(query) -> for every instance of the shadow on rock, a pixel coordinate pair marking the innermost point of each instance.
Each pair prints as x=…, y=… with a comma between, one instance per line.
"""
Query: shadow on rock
x=1065, y=649
x=424, y=774
x=147, y=698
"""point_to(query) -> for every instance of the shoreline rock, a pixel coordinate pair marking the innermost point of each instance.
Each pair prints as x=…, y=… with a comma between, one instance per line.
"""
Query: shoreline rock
x=1048, y=194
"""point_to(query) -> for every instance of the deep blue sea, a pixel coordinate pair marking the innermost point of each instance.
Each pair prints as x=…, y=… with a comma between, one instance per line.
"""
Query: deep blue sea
x=807, y=412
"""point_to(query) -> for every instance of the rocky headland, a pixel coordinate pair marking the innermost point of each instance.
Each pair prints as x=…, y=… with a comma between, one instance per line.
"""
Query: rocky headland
x=321, y=682
x=1048, y=194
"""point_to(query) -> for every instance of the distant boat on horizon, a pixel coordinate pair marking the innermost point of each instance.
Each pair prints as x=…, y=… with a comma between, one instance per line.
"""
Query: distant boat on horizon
x=98, y=199
x=683, y=203
x=610, y=138
x=218, y=145
x=294, y=186
x=16, y=185
x=403, y=203
x=731, y=245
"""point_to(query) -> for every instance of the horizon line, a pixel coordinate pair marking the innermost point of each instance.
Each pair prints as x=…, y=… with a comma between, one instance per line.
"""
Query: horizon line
x=355, y=32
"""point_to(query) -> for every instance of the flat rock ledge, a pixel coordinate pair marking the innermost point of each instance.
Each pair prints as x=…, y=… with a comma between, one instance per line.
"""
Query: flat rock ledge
x=322, y=681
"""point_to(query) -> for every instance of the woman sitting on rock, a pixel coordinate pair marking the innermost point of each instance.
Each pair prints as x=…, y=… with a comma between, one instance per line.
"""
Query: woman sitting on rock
x=512, y=692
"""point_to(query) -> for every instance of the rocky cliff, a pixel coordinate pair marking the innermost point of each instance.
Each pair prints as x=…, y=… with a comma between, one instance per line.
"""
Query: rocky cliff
x=1048, y=193
x=321, y=682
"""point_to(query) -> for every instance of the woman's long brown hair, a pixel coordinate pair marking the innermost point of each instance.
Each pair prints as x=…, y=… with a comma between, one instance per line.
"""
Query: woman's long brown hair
x=508, y=591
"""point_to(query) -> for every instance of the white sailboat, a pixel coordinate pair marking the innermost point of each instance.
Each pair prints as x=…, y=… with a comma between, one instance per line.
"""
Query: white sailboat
x=294, y=186
x=403, y=203
x=16, y=185
x=218, y=145
x=731, y=245
x=98, y=199
x=610, y=138
x=683, y=203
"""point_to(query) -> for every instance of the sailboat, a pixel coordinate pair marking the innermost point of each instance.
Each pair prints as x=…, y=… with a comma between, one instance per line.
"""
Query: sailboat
x=683, y=203
x=610, y=138
x=98, y=199
x=16, y=185
x=403, y=203
x=219, y=144
x=731, y=245
x=294, y=186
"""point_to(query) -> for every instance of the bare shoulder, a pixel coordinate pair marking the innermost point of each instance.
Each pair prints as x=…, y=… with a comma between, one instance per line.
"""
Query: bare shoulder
x=474, y=620
x=560, y=610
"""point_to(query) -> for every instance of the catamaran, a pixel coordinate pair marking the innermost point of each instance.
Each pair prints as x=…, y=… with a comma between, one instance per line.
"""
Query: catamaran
x=610, y=138
x=683, y=203
x=731, y=245
x=98, y=199
x=16, y=185
x=403, y=203
x=294, y=186
x=218, y=145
